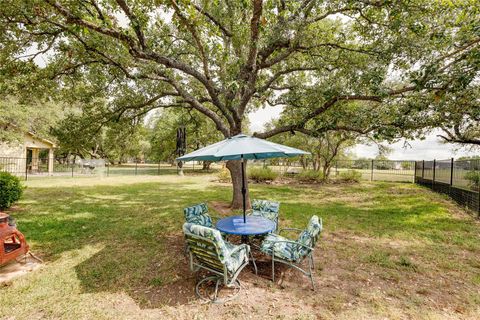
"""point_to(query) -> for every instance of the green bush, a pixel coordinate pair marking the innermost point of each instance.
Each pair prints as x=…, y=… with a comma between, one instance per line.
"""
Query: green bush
x=10, y=190
x=351, y=176
x=260, y=174
x=224, y=175
x=310, y=176
x=473, y=178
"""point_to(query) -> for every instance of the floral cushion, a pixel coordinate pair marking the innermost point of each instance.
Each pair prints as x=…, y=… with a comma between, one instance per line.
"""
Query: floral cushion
x=198, y=214
x=266, y=209
x=310, y=235
x=291, y=251
x=235, y=259
x=223, y=249
x=265, y=205
x=283, y=250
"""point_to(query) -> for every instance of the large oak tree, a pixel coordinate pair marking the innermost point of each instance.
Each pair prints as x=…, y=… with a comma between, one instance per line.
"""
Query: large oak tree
x=226, y=58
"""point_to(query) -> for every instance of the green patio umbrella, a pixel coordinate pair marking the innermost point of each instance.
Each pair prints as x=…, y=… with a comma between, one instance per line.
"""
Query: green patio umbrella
x=242, y=147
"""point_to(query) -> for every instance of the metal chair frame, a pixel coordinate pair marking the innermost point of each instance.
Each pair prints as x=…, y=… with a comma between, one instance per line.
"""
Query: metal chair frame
x=296, y=265
x=229, y=280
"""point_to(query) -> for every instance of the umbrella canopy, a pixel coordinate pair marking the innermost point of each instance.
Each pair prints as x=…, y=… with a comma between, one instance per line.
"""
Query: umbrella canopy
x=242, y=147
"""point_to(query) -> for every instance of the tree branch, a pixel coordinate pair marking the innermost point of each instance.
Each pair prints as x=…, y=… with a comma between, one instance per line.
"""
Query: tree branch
x=134, y=22
x=224, y=30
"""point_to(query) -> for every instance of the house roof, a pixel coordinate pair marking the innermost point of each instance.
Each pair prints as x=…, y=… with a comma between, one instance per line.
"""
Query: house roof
x=33, y=135
x=30, y=133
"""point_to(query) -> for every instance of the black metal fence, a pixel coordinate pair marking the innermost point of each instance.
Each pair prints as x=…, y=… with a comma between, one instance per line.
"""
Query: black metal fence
x=371, y=170
x=30, y=168
x=41, y=167
x=460, y=180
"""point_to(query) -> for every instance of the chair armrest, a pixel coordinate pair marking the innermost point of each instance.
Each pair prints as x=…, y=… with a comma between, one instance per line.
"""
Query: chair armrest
x=240, y=247
x=290, y=229
x=274, y=242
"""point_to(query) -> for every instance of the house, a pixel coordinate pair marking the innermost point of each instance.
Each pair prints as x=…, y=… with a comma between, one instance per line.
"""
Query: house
x=24, y=156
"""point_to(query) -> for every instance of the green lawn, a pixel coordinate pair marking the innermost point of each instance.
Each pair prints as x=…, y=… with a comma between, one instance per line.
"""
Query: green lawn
x=113, y=249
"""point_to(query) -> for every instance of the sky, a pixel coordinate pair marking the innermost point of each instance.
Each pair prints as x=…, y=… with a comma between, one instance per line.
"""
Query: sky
x=430, y=148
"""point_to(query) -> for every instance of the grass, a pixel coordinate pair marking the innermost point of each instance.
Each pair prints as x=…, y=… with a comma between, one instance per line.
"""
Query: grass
x=113, y=249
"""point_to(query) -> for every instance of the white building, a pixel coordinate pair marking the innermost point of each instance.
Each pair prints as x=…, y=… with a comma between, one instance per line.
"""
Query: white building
x=23, y=156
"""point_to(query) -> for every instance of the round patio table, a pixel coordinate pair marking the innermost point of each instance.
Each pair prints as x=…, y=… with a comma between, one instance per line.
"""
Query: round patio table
x=253, y=226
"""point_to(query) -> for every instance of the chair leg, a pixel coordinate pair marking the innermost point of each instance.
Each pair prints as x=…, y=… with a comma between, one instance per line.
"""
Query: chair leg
x=218, y=287
x=273, y=268
x=216, y=290
x=311, y=271
x=253, y=261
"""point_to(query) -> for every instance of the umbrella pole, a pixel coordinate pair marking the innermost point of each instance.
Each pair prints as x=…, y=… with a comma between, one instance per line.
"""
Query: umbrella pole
x=244, y=190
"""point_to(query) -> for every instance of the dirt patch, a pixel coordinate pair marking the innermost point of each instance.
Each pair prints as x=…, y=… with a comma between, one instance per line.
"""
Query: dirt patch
x=17, y=269
x=221, y=207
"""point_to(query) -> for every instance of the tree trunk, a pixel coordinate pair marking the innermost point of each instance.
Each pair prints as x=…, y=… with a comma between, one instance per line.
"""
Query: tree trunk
x=206, y=165
x=304, y=162
x=326, y=170
x=235, y=168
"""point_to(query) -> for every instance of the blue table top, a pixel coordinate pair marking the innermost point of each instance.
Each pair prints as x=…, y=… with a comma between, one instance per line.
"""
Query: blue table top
x=254, y=225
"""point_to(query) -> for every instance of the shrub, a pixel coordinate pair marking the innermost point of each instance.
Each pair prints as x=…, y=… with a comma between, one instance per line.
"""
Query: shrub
x=310, y=176
x=224, y=175
x=351, y=176
x=473, y=178
x=260, y=174
x=10, y=190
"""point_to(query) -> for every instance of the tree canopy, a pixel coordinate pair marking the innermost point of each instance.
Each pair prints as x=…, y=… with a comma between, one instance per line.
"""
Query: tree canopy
x=225, y=58
x=17, y=118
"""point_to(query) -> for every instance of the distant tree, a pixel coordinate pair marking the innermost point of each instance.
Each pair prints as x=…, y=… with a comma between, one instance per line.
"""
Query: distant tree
x=325, y=149
x=116, y=142
x=200, y=133
x=17, y=117
x=468, y=158
x=361, y=163
x=407, y=165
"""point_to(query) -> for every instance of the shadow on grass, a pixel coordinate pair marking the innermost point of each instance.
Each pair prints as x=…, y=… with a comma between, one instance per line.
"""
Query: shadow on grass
x=139, y=226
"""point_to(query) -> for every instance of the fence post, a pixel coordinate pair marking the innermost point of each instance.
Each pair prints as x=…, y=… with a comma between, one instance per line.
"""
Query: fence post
x=479, y=203
x=371, y=175
x=433, y=174
x=415, y=172
x=26, y=170
x=72, y=169
x=136, y=165
x=451, y=172
x=423, y=169
x=336, y=168
x=158, y=170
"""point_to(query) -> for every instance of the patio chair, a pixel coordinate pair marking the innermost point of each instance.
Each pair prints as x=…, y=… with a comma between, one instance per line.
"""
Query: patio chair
x=267, y=209
x=198, y=214
x=293, y=253
x=207, y=250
